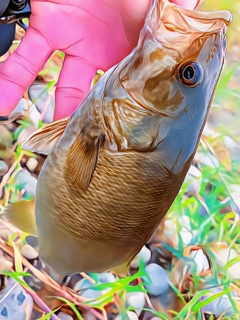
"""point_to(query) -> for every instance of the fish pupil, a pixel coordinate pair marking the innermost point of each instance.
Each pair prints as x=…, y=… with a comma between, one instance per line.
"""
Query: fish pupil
x=189, y=73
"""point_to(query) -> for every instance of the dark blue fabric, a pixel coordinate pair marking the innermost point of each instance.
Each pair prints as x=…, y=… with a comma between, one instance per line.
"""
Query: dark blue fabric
x=7, y=32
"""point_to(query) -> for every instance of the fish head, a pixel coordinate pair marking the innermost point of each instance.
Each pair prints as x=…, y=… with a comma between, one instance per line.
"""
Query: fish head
x=174, y=73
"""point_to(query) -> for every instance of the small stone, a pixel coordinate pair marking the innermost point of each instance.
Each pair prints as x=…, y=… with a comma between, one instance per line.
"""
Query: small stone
x=130, y=315
x=3, y=168
x=89, y=316
x=144, y=254
x=32, y=164
x=200, y=260
x=25, y=181
x=4, y=312
x=91, y=294
x=82, y=284
x=159, y=279
x=21, y=297
x=29, y=252
x=14, y=302
x=219, y=306
x=106, y=277
x=64, y=316
x=21, y=107
x=136, y=300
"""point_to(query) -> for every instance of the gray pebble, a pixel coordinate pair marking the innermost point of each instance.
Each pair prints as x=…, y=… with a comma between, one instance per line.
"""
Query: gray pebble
x=159, y=280
x=82, y=284
x=130, y=315
x=63, y=316
x=136, y=300
x=220, y=305
x=3, y=168
x=29, y=252
x=106, y=277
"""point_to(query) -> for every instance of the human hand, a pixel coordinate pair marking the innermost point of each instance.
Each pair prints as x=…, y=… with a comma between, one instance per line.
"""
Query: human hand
x=93, y=34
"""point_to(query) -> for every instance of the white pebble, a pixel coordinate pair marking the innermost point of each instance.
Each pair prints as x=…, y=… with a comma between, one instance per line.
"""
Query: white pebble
x=91, y=294
x=136, y=300
x=159, y=279
x=201, y=261
x=186, y=235
x=106, y=277
x=32, y=164
x=29, y=252
x=144, y=254
x=63, y=316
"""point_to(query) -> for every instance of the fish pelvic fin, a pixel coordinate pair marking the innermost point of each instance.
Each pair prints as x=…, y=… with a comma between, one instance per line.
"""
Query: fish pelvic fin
x=44, y=140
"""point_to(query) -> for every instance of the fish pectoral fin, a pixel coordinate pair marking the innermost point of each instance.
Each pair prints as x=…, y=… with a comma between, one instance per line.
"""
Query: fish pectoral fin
x=22, y=215
x=44, y=140
x=82, y=159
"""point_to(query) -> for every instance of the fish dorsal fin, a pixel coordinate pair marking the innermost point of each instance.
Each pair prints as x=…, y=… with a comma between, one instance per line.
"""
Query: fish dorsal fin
x=82, y=158
x=44, y=140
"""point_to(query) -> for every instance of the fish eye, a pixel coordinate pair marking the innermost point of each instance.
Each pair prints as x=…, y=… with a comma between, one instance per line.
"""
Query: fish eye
x=190, y=74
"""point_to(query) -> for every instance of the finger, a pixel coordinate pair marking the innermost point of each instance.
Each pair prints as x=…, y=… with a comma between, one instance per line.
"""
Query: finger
x=21, y=68
x=73, y=85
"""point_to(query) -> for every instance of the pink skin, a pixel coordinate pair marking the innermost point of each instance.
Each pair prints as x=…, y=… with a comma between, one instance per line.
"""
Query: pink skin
x=94, y=34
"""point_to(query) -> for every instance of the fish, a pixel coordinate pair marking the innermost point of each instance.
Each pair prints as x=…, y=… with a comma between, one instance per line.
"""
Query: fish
x=115, y=166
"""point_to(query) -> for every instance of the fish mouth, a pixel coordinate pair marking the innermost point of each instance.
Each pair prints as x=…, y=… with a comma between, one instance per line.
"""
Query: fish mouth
x=165, y=20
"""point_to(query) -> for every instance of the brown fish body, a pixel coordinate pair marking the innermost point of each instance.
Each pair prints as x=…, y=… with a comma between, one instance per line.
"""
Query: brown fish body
x=115, y=166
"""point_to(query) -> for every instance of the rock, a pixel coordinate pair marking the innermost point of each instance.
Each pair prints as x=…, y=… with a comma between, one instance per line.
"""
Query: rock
x=32, y=164
x=44, y=99
x=84, y=288
x=130, y=315
x=25, y=181
x=144, y=254
x=3, y=168
x=222, y=256
x=89, y=316
x=14, y=302
x=200, y=260
x=136, y=300
x=92, y=294
x=63, y=316
x=21, y=107
x=159, y=280
x=219, y=306
x=29, y=252
x=106, y=277
x=82, y=284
